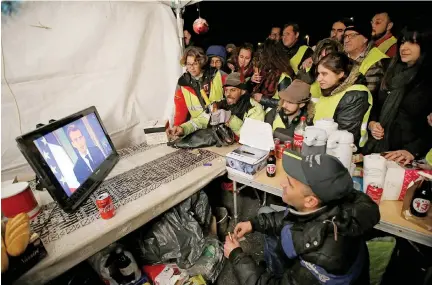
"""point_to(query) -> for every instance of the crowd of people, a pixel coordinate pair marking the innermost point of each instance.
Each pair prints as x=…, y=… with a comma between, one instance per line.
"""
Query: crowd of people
x=372, y=84
x=369, y=81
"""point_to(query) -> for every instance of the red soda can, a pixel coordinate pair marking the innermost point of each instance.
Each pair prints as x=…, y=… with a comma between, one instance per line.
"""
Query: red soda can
x=279, y=151
x=288, y=145
x=375, y=192
x=276, y=142
x=105, y=206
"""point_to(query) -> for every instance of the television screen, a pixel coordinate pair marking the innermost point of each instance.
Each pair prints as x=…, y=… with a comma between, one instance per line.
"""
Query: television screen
x=75, y=151
x=70, y=156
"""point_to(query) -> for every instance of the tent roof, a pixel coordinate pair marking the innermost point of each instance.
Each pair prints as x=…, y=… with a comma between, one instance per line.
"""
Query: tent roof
x=183, y=3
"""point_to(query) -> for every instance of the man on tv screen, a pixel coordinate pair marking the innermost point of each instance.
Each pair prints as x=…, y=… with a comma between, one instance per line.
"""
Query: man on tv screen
x=89, y=158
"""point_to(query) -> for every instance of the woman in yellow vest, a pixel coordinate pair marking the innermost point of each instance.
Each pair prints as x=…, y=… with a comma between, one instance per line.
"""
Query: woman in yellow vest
x=344, y=96
x=197, y=88
x=307, y=72
x=273, y=74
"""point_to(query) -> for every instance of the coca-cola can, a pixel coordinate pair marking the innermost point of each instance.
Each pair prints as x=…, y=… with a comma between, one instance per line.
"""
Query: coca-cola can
x=288, y=144
x=279, y=151
x=105, y=206
x=276, y=142
x=375, y=192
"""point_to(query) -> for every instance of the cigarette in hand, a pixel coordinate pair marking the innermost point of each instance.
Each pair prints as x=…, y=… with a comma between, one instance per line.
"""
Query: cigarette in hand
x=230, y=236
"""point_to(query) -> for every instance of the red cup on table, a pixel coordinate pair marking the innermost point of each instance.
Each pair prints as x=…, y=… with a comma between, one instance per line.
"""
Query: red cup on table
x=18, y=198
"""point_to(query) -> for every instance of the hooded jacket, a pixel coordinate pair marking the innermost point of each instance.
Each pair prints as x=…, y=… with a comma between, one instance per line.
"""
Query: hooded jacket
x=325, y=245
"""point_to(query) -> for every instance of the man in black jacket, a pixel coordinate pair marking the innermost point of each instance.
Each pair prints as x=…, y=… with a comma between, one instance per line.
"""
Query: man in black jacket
x=319, y=238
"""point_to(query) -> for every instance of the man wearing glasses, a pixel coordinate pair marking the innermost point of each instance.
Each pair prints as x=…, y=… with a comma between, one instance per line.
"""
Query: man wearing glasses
x=359, y=49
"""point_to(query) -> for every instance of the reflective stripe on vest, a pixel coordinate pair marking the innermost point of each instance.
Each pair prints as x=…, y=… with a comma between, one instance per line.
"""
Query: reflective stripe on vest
x=326, y=107
x=387, y=44
x=281, y=78
x=296, y=59
x=192, y=101
x=373, y=57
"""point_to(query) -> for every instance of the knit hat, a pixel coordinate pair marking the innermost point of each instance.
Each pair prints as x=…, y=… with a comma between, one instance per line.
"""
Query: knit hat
x=323, y=173
x=233, y=79
x=217, y=51
x=298, y=92
x=362, y=29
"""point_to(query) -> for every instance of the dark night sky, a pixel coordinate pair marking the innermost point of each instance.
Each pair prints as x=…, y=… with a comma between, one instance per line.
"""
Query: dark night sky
x=237, y=22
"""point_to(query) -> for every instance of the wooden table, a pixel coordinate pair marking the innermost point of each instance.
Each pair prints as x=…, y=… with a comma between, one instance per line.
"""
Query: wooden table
x=391, y=219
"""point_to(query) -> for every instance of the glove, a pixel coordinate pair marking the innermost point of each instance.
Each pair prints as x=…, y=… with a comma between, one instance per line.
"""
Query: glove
x=220, y=117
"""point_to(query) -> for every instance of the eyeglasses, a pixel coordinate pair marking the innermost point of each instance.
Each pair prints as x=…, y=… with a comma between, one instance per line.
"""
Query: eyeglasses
x=189, y=65
x=350, y=36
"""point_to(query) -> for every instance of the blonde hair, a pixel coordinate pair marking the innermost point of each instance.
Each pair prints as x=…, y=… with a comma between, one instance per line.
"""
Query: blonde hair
x=197, y=53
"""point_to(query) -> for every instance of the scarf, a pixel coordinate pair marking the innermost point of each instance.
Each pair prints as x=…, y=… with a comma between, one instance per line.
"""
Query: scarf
x=238, y=109
x=268, y=85
x=395, y=88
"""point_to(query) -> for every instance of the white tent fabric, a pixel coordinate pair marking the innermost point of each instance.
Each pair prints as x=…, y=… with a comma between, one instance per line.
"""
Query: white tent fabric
x=122, y=57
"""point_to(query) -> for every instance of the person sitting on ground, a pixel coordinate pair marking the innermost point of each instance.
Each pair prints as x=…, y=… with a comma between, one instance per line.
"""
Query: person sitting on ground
x=344, y=98
x=293, y=104
x=196, y=89
x=371, y=59
x=273, y=73
x=320, y=236
x=216, y=56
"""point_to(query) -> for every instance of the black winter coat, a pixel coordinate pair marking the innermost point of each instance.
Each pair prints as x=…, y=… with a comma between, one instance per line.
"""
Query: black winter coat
x=316, y=241
x=410, y=130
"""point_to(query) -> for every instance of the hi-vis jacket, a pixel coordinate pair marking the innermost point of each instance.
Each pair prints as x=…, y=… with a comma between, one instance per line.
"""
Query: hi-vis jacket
x=192, y=96
x=246, y=107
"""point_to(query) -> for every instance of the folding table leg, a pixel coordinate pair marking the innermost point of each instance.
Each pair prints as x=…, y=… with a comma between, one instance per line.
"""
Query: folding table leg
x=235, y=193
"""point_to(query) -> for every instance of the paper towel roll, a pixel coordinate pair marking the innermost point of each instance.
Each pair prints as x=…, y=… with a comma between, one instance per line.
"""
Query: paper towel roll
x=374, y=170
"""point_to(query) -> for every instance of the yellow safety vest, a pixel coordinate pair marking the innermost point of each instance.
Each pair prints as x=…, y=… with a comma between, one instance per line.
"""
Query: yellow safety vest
x=429, y=157
x=192, y=101
x=277, y=121
x=326, y=107
x=373, y=57
x=281, y=78
x=388, y=43
x=295, y=60
x=315, y=91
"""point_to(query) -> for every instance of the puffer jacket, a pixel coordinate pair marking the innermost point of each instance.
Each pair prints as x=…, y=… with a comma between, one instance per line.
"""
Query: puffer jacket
x=324, y=245
x=353, y=105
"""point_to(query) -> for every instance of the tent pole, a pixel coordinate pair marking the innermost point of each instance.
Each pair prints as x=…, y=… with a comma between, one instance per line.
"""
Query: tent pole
x=179, y=24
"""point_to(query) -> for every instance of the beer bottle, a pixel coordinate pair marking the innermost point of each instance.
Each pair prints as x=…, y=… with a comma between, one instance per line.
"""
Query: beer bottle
x=271, y=163
x=421, y=200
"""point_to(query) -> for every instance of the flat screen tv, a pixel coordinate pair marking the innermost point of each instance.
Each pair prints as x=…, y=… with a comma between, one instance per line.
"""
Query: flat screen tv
x=70, y=156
